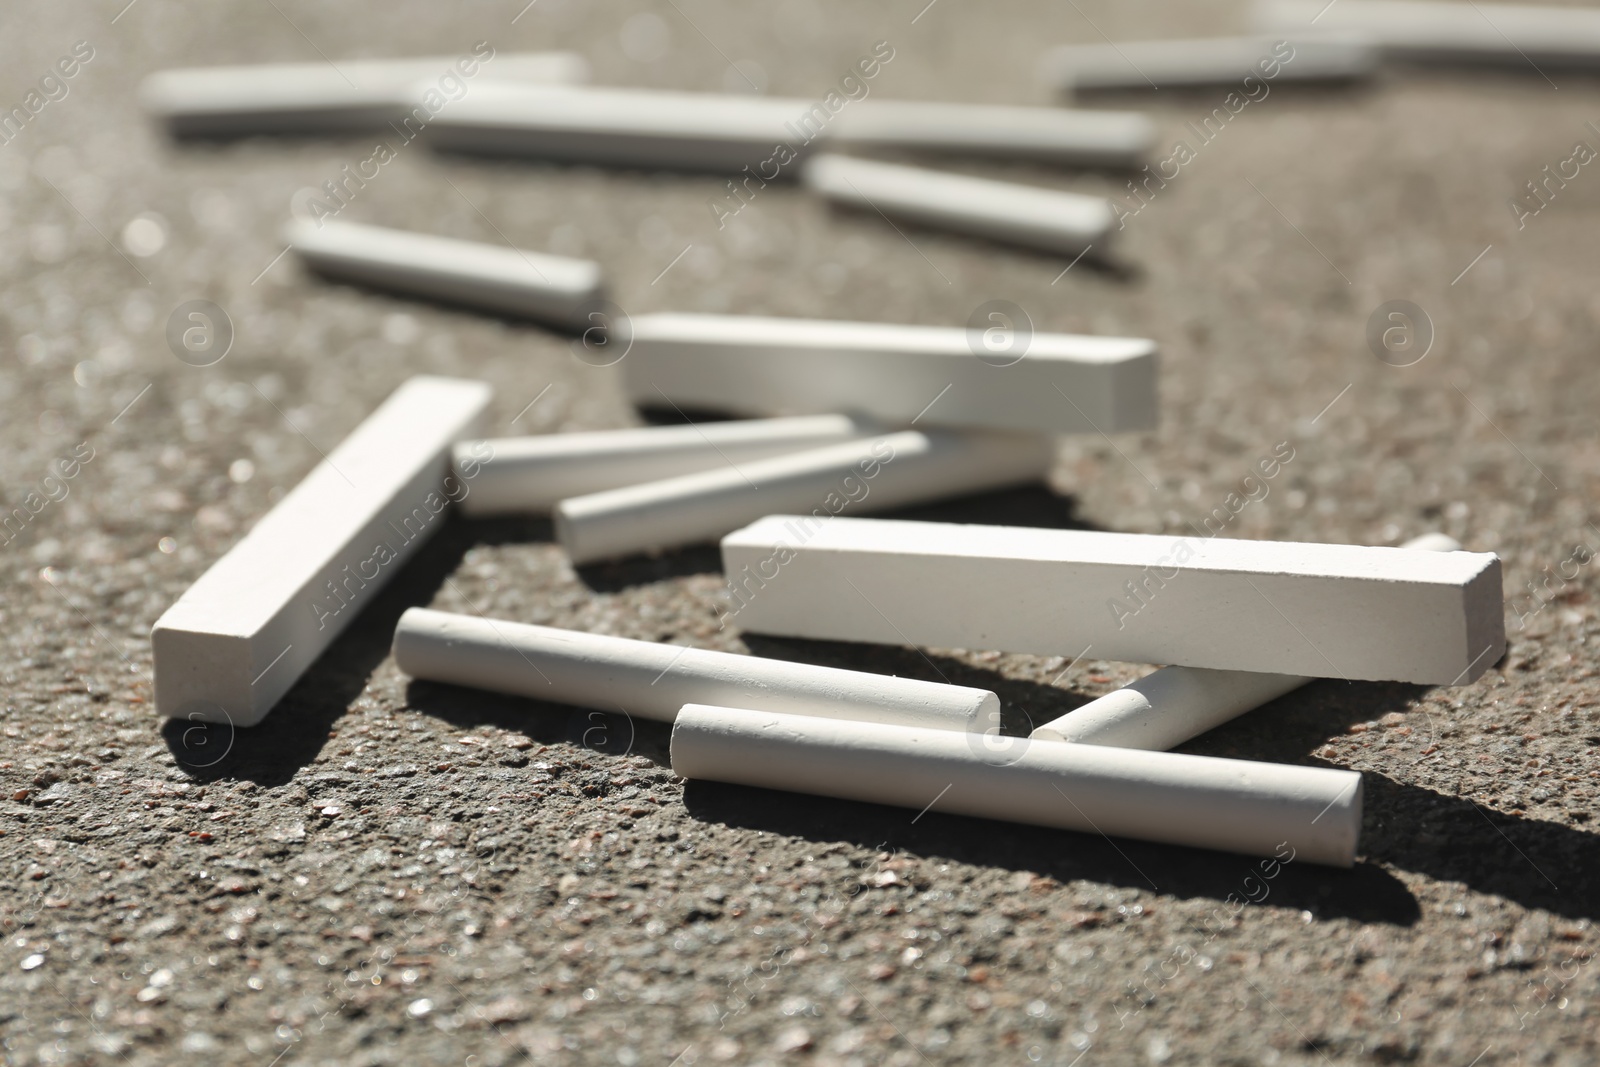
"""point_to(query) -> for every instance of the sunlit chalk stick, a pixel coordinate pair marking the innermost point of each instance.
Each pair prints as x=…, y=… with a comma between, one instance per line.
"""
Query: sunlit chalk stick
x=1251, y=65
x=554, y=289
x=1279, y=607
x=1501, y=34
x=890, y=471
x=530, y=474
x=1265, y=809
x=763, y=137
x=652, y=681
x=248, y=627
x=1168, y=707
x=355, y=94
x=933, y=375
x=1048, y=219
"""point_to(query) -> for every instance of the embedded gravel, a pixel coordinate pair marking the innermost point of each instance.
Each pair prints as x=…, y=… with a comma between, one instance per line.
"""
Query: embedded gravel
x=390, y=872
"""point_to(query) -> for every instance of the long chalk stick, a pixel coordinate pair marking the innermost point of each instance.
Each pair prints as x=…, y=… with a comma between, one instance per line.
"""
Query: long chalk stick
x=531, y=474
x=1054, y=221
x=653, y=680
x=1340, y=611
x=711, y=132
x=241, y=635
x=1168, y=707
x=1252, y=65
x=869, y=475
x=1500, y=34
x=1264, y=809
x=355, y=94
x=933, y=375
x=533, y=285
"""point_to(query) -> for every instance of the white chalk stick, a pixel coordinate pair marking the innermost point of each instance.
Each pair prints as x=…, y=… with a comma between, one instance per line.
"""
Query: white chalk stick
x=1280, y=607
x=652, y=681
x=554, y=289
x=1168, y=707
x=530, y=474
x=889, y=471
x=355, y=94
x=241, y=635
x=1421, y=32
x=1065, y=136
x=1262, y=809
x=1209, y=61
x=1047, y=382
x=1054, y=221
x=726, y=133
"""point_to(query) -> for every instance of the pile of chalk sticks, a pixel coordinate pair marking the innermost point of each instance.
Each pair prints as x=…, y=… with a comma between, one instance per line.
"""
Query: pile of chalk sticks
x=829, y=416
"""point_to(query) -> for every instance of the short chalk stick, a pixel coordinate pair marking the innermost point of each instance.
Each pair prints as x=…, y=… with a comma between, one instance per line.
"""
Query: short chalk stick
x=726, y=133
x=533, y=285
x=1422, y=32
x=1265, y=809
x=357, y=94
x=1048, y=219
x=1046, y=382
x=1250, y=64
x=530, y=474
x=653, y=680
x=241, y=635
x=1340, y=611
x=890, y=471
x=1168, y=707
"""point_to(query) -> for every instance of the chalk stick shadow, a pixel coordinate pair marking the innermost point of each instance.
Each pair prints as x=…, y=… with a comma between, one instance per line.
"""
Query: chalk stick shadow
x=295, y=730
x=1365, y=893
x=1203, y=98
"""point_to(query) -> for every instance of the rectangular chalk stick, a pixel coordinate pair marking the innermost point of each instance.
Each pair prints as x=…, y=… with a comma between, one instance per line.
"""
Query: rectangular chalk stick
x=308, y=98
x=936, y=375
x=1501, y=34
x=241, y=635
x=727, y=133
x=1208, y=61
x=1279, y=607
x=535, y=285
x=531, y=474
x=1047, y=219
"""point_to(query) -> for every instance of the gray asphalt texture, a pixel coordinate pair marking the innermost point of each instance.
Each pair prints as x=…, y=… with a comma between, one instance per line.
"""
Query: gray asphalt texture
x=387, y=872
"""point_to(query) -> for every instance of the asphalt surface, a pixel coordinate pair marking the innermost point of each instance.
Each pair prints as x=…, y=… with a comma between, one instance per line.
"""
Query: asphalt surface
x=387, y=872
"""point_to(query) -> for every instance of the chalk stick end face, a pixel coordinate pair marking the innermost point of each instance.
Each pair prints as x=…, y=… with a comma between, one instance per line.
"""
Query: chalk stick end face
x=1486, y=621
x=204, y=677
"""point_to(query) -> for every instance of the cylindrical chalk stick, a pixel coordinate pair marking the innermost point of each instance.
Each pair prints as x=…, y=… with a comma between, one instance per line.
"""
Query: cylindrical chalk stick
x=355, y=94
x=555, y=289
x=1264, y=809
x=1066, y=136
x=1191, y=62
x=1067, y=223
x=860, y=476
x=532, y=473
x=653, y=680
x=1168, y=707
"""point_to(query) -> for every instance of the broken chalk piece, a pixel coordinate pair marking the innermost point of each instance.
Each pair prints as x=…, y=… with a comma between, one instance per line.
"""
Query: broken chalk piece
x=890, y=471
x=937, y=375
x=531, y=474
x=561, y=291
x=1048, y=219
x=241, y=635
x=1265, y=809
x=764, y=136
x=1167, y=707
x=654, y=680
x=311, y=98
x=1439, y=32
x=1280, y=607
x=1248, y=63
